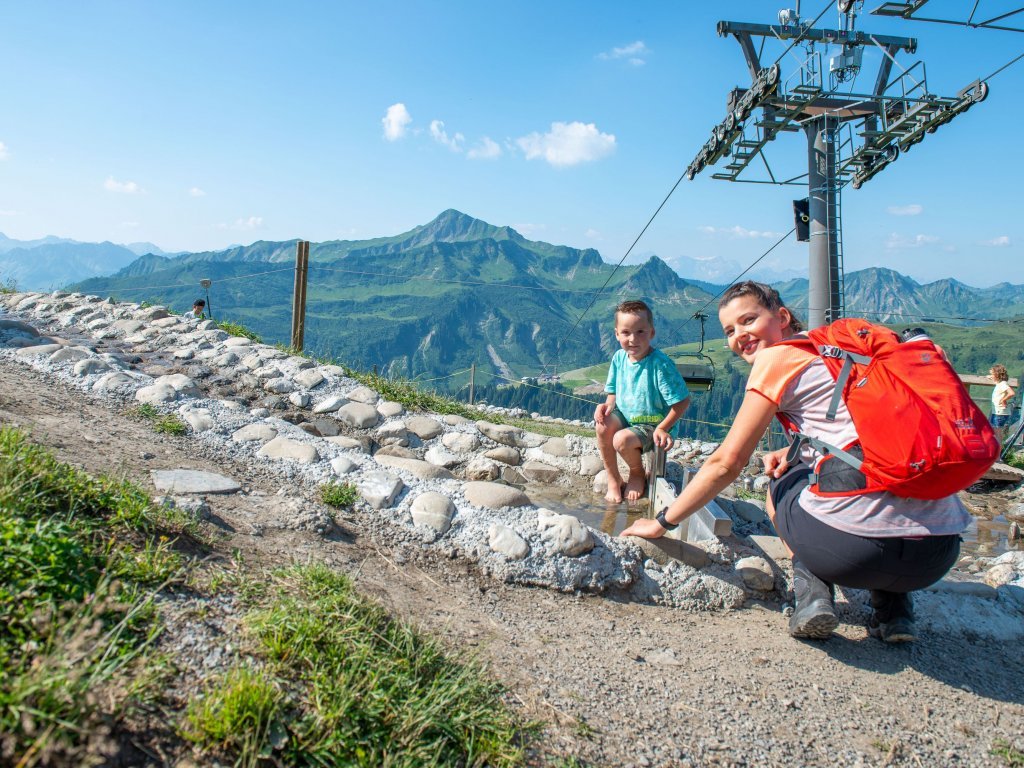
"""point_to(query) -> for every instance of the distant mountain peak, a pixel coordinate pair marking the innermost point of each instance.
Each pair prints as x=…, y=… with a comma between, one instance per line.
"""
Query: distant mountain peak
x=452, y=226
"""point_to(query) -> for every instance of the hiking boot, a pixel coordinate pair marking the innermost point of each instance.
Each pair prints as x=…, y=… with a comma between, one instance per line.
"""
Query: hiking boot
x=814, y=615
x=892, y=621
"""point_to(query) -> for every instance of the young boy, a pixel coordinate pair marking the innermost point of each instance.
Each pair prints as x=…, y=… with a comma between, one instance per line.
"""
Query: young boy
x=646, y=397
x=199, y=309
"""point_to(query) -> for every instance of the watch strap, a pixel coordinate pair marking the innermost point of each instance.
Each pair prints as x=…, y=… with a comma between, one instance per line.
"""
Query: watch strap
x=660, y=517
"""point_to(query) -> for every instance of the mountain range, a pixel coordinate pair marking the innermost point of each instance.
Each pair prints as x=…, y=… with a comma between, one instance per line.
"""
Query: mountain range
x=458, y=291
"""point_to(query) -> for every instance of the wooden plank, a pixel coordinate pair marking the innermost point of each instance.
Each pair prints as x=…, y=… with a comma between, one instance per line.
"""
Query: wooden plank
x=971, y=379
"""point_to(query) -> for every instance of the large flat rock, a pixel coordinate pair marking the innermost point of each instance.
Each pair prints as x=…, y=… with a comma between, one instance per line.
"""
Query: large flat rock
x=186, y=481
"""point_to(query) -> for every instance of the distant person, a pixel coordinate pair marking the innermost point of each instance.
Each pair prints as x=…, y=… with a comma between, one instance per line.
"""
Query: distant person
x=646, y=398
x=1002, y=401
x=199, y=309
x=873, y=540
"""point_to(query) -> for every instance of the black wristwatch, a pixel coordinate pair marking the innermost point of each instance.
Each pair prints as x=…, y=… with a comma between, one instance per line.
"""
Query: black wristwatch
x=660, y=517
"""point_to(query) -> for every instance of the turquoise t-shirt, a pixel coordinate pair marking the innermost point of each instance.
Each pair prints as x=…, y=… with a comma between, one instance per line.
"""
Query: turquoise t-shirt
x=646, y=390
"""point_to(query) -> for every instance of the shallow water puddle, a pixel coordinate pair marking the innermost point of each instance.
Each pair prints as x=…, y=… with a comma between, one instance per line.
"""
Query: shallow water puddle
x=593, y=511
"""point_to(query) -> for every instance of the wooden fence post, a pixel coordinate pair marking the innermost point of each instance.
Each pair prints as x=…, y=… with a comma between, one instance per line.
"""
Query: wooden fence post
x=299, y=296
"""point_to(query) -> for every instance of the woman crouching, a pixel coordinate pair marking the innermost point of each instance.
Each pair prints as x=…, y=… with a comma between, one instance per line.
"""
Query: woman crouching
x=875, y=541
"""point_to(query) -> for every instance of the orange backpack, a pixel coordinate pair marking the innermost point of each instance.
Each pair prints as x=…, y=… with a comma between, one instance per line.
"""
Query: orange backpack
x=920, y=435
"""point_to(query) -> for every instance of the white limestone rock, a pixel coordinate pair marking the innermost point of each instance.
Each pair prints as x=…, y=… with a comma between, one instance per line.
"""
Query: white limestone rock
x=330, y=404
x=358, y=415
x=494, y=495
x=300, y=399
x=460, y=442
x=482, y=468
x=440, y=457
x=279, y=386
x=564, y=534
x=756, y=573
x=434, y=511
x=505, y=541
x=364, y=395
x=91, y=366
x=539, y=472
x=424, y=427
x=252, y=433
x=342, y=465
x=309, y=379
x=500, y=433
x=421, y=469
x=200, y=419
x=379, y=489
x=590, y=465
x=389, y=409
x=283, y=448
x=505, y=454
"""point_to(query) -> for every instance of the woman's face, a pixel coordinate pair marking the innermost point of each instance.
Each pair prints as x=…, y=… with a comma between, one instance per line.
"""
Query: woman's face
x=750, y=326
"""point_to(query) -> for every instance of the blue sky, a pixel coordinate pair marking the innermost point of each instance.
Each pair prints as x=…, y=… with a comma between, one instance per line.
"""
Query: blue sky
x=195, y=125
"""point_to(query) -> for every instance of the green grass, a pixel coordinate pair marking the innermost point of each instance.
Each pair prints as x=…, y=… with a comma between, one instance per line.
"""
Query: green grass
x=166, y=423
x=340, y=495
x=7, y=286
x=341, y=683
x=237, y=329
x=75, y=631
x=1015, y=459
x=1011, y=756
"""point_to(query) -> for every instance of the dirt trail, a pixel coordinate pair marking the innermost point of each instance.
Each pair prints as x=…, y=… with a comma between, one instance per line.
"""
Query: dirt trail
x=620, y=683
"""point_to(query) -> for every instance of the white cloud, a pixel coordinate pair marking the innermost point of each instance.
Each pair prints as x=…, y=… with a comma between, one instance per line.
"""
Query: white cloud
x=10, y=213
x=486, y=149
x=245, y=225
x=440, y=135
x=130, y=225
x=896, y=242
x=395, y=122
x=914, y=209
x=593, y=234
x=4, y=154
x=197, y=192
x=1003, y=241
x=633, y=53
x=568, y=144
x=741, y=233
x=124, y=187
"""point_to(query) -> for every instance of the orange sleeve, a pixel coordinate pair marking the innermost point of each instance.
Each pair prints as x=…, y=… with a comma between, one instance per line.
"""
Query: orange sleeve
x=774, y=368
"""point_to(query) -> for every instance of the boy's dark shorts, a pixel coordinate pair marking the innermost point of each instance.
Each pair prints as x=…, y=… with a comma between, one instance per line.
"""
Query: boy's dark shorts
x=643, y=431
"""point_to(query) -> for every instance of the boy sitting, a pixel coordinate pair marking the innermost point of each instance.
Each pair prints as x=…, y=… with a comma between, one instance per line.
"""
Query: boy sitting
x=646, y=397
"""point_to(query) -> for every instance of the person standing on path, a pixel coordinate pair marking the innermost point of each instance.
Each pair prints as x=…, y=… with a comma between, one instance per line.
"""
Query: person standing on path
x=874, y=540
x=1002, y=401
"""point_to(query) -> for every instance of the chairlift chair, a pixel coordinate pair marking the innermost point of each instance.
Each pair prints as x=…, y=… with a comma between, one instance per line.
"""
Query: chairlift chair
x=699, y=375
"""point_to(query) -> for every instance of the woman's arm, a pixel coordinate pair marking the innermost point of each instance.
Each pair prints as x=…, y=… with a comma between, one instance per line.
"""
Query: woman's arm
x=721, y=468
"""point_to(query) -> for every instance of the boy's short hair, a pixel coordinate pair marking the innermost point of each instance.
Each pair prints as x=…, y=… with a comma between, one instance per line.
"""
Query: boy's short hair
x=999, y=372
x=635, y=307
x=765, y=295
x=199, y=303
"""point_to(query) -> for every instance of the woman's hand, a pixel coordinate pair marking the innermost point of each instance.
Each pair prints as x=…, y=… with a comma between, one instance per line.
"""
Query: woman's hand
x=645, y=528
x=775, y=463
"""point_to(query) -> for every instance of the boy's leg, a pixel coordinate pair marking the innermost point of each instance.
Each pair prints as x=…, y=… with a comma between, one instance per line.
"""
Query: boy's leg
x=605, y=437
x=630, y=448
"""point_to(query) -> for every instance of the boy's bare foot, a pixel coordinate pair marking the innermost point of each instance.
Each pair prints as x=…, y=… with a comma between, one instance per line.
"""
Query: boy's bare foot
x=614, y=495
x=635, y=487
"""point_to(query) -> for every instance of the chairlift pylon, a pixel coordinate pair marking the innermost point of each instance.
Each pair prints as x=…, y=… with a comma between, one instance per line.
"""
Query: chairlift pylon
x=699, y=376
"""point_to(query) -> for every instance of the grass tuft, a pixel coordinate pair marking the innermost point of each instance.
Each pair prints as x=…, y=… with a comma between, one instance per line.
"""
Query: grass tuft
x=237, y=329
x=166, y=423
x=340, y=495
x=1011, y=756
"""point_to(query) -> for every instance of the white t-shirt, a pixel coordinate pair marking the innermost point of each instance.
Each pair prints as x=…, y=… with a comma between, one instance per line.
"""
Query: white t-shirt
x=1001, y=391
